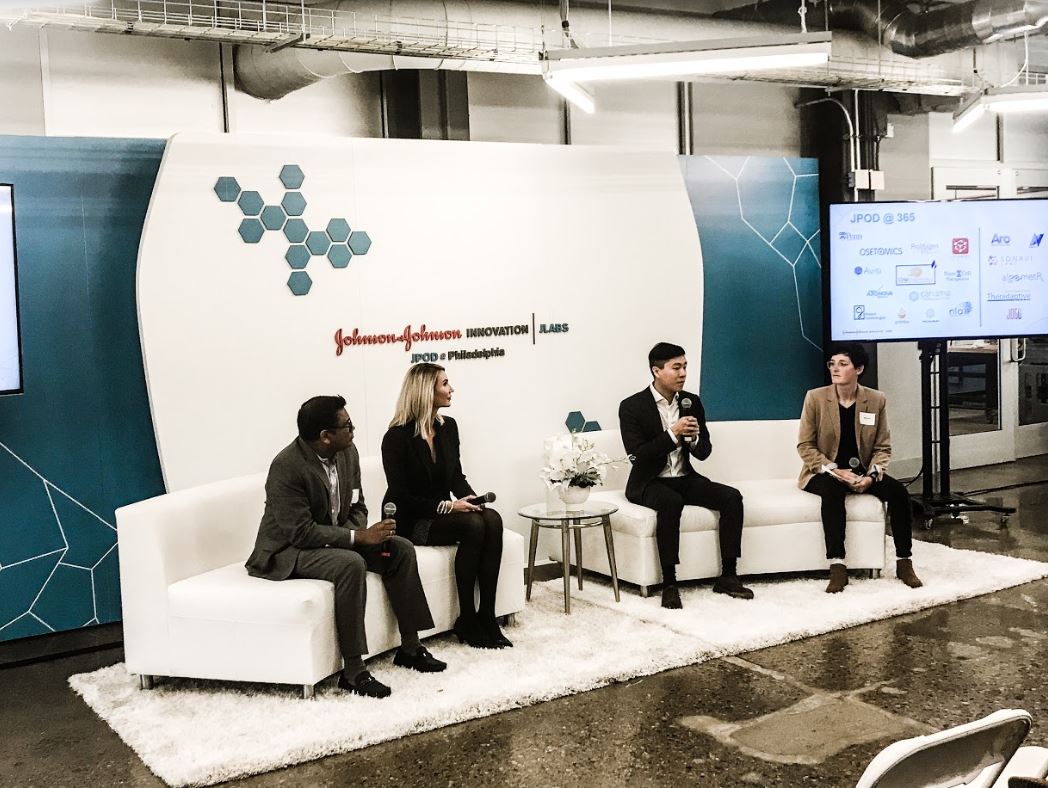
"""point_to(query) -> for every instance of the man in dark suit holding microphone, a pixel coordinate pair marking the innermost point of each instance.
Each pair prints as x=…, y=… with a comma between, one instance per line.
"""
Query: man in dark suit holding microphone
x=315, y=526
x=663, y=427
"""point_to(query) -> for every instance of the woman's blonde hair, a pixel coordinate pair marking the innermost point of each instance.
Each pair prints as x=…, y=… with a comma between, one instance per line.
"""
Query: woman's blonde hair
x=415, y=403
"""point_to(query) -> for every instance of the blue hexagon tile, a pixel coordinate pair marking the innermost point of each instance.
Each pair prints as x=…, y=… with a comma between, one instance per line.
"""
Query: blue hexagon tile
x=296, y=231
x=338, y=230
x=297, y=256
x=294, y=203
x=251, y=203
x=359, y=242
x=299, y=283
x=273, y=217
x=575, y=421
x=339, y=255
x=291, y=176
x=227, y=189
x=338, y=241
x=251, y=230
x=591, y=426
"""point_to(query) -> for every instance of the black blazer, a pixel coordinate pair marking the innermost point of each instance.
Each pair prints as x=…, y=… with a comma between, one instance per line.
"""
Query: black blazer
x=415, y=486
x=298, y=516
x=648, y=442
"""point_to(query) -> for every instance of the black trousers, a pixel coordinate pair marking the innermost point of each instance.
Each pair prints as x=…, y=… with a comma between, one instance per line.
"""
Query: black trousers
x=348, y=569
x=834, y=493
x=668, y=496
x=478, y=558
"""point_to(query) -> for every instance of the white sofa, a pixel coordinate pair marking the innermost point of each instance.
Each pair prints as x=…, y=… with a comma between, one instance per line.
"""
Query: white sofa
x=782, y=528
x=191, y=609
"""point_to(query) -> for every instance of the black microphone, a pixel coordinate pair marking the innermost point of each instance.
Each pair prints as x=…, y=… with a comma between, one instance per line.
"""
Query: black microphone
x=685, y=408
x=480, y=500
x=856, y=466
x=389, y=510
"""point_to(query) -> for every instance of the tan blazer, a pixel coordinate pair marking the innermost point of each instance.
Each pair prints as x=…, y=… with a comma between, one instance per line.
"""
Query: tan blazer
x=820, y=433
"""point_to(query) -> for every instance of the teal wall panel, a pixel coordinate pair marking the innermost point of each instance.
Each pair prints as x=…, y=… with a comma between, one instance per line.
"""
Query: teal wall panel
x=758, y=221
x=79, y=442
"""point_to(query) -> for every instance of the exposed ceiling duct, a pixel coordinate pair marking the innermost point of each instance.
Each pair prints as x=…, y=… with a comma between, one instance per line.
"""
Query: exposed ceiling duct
x=512, y=32
x=507, y=37
x=912, y=33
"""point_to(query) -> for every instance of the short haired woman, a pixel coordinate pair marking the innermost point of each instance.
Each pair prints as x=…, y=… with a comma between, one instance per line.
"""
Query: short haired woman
x=845, y=444
x=420, y=454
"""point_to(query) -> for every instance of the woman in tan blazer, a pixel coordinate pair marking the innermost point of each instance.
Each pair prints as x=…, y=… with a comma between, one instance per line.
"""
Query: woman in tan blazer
x=845, y=444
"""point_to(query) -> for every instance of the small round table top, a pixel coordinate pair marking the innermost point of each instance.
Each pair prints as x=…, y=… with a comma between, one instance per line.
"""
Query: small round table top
x=587, y=510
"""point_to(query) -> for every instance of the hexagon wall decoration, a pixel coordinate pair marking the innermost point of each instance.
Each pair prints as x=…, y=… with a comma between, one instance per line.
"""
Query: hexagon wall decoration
x=338, y=241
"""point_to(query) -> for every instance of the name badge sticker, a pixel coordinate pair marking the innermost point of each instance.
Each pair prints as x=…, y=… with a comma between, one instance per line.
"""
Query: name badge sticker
x=867, y=419
x=356, y=496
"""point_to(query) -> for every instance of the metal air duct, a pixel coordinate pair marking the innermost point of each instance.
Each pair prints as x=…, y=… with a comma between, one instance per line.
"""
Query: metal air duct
x=911, y=33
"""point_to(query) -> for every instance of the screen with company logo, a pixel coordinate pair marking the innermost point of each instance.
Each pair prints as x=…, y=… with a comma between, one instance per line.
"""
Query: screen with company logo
x=938, y=270
x=10, y=358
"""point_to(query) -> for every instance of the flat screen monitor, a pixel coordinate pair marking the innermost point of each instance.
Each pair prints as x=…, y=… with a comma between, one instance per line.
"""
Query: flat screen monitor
x=10, y=340
x=938, y=270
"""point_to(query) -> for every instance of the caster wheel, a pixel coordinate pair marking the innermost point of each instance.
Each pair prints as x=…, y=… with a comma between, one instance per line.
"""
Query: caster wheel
x=1004, y=520
x=928, y=524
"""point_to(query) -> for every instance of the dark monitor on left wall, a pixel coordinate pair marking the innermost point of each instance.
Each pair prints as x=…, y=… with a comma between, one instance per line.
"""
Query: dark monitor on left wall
x=10, y=324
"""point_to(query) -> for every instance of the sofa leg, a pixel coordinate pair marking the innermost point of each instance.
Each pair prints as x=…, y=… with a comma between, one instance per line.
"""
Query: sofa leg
x=508, y=620
x=645, y=591
x=308, y=692
x=875, y=573
x=145, y=682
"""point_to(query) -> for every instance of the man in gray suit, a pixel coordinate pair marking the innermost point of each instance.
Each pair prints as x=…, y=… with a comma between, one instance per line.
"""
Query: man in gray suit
x=315, y=526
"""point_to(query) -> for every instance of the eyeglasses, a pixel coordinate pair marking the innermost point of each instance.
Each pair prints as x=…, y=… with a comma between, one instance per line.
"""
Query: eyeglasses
x=348, y=426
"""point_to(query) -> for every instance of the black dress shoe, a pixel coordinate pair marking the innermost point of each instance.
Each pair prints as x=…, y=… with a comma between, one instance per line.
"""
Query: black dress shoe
x=366, y=685
x=422, y=661
x=671, y=598
x=491, y=629
x=732, y=587
x=469, y=632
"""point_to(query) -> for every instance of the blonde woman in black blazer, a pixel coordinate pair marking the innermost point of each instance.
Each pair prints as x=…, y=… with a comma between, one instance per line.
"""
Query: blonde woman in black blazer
x=420, y=454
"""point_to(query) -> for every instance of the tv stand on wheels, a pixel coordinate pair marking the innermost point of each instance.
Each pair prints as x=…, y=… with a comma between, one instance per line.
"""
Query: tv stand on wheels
x=930, y=503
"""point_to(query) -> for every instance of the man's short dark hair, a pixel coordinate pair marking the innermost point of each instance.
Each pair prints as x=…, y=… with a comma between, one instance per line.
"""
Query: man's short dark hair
x=853, y=350
x=663, y=352
x=317, y=414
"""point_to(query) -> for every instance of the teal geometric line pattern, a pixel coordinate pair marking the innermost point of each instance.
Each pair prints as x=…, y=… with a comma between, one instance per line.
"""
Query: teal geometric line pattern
x=87, y=543
x=792, y=237
x=338, y=241
x=758, y=226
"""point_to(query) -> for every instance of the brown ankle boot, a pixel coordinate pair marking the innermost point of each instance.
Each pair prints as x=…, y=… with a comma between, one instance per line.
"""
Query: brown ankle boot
x=838, y=578
x=904, y=571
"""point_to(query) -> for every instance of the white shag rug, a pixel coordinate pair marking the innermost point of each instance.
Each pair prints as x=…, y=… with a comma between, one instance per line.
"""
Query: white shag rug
x=200, y=733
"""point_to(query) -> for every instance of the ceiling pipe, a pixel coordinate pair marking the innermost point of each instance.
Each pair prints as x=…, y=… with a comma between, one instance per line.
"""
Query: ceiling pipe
x=911, y=33
x=273, y=74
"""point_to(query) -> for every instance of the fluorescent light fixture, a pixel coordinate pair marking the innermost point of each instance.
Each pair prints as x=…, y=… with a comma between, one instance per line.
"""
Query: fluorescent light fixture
x=576, y=94
x=1019, y=98
x=1005, y=100
x=688, y=58
x=968, y=114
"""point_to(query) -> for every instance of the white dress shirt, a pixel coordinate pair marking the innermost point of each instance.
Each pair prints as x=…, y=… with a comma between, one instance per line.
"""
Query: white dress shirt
x=335, y=497
x=669, y=412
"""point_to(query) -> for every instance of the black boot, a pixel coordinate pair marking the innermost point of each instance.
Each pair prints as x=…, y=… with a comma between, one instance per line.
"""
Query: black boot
x=469, y=631
x=490, y=625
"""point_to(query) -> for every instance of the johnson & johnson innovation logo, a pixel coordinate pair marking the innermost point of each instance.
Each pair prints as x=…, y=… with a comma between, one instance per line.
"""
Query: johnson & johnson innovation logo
x=337, y=241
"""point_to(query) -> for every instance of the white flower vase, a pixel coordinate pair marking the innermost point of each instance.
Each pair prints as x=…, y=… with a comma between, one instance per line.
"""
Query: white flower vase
x=573, y=497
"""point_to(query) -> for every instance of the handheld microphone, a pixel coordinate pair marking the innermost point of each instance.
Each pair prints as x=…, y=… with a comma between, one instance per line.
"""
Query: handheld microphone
x=685, y=410
x=389, y=510
x=856, y=466
x=480, y=500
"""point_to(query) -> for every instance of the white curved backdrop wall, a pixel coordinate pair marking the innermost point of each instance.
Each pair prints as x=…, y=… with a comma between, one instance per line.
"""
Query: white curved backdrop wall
x=464, y=235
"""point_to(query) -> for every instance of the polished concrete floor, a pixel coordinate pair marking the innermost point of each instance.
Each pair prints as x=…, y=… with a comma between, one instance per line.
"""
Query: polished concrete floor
x=812, y=712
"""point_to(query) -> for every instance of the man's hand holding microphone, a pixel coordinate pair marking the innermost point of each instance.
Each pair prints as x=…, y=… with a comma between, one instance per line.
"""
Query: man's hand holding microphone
x=380, y=532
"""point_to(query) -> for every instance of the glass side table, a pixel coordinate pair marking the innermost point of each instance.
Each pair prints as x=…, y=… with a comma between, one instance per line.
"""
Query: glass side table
x=589, y=514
